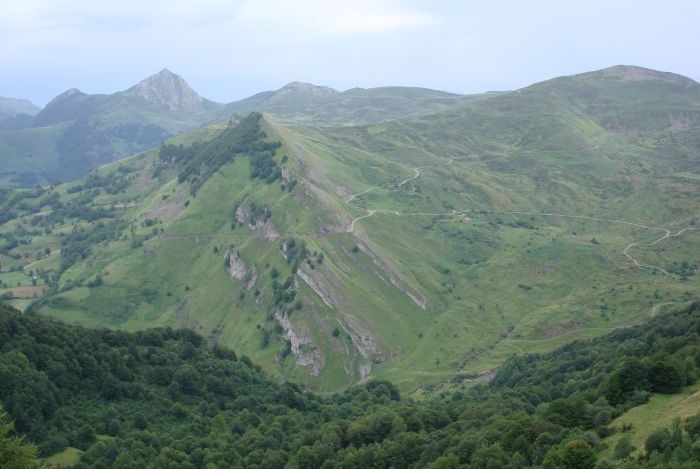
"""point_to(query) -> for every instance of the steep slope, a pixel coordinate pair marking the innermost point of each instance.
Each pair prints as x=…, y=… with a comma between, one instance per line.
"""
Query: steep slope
x=166, y=89
x=425, y=250
x=76, y=132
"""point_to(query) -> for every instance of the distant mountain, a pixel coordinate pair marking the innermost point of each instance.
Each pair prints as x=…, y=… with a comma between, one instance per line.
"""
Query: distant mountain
x=424, y=249
x=76, y=131
x=15, y=113
x=321, y=105
x=13, y=106
x=298, y=88
x=70, y=104
x=168, y=90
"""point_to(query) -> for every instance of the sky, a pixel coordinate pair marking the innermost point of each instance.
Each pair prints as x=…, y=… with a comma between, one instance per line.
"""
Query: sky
x=230, y=49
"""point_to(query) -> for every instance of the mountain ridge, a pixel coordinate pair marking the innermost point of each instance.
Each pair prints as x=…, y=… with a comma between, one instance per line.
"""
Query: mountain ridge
x=637, y=73
x=14, y=106
x=76, y=131
x=507, y=222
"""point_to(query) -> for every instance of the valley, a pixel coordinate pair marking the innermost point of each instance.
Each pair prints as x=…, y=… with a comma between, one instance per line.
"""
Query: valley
x=424, y=250
x=380, y=234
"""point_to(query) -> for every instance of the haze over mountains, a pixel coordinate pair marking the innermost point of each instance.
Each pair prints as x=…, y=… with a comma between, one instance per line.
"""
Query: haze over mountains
x=76, y=132
x=422, y=248
x=526, y=262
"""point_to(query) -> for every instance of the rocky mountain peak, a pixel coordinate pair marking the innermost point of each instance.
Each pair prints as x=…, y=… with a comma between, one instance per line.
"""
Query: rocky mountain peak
x=169, y=90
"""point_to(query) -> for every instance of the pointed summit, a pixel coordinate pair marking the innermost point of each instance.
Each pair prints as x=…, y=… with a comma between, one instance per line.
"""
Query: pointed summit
x=169, y=90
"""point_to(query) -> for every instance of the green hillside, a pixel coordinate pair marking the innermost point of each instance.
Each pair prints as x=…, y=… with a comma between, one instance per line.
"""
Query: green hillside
x=164, y=398
x=317, y=105
x=76, y=132
x=423, y=250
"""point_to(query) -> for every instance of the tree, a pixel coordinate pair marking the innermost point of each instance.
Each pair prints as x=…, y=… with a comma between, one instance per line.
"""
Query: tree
x=624, y=448
x=541, y=446
x=692, y=426
x=491, y=456
x=85, y=437
x=665, y=375
x=630, y=377
x=15, y=453
x=445, y=462
x=658, y=441
x=575, y=454
x=568, y=412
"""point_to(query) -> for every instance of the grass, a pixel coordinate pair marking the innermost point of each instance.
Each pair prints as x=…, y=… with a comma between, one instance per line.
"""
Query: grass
x=16, y=278
x=447, y=288
x=69, y=457
x=659, y=412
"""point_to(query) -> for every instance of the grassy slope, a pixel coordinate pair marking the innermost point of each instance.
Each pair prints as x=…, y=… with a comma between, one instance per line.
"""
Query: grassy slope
x=351, y=107
x=493, y=283
x=96, y=129
x=531, y=151
x=659, y=412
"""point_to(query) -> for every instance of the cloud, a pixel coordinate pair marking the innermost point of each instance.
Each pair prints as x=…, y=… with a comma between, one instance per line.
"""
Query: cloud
x=331, y=17
x=231, y=48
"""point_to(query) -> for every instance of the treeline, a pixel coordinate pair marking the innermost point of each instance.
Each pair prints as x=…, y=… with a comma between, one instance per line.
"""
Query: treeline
x=164, y=398
x=115, y=183
x=59, y=211
x=80, y=242
x=201, y=160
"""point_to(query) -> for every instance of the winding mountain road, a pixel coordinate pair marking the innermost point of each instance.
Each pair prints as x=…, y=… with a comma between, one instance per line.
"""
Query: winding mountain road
x=665, y=236
x=667, y=233
x=417, y=174
x=352, y=196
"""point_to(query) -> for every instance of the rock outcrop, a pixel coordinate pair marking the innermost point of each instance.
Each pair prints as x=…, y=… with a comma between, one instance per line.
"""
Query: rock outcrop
x=236, y=265
x=305, y=352
x=169, y=90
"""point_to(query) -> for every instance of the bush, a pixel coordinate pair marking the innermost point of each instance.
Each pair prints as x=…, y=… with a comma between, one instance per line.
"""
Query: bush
x=666, y=375
x=657, y=441
x=624, y=448
x=575, y=454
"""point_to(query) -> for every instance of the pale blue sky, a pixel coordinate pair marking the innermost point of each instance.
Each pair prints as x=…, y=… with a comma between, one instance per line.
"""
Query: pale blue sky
x=230, y=49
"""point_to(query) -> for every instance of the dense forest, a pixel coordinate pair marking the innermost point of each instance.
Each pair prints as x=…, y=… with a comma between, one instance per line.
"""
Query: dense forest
x=166, y=398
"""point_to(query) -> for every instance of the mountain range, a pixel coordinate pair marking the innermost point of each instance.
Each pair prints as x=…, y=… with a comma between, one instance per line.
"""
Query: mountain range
x=76, y=132
x=424, y=249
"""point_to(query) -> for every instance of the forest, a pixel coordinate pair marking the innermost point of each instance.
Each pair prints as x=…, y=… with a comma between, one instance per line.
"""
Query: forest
x=167, y=398
x=202, y=160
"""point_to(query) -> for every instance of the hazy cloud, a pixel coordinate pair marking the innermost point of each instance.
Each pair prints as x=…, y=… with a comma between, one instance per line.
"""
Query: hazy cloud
x=229, y=49
x=328, y=17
